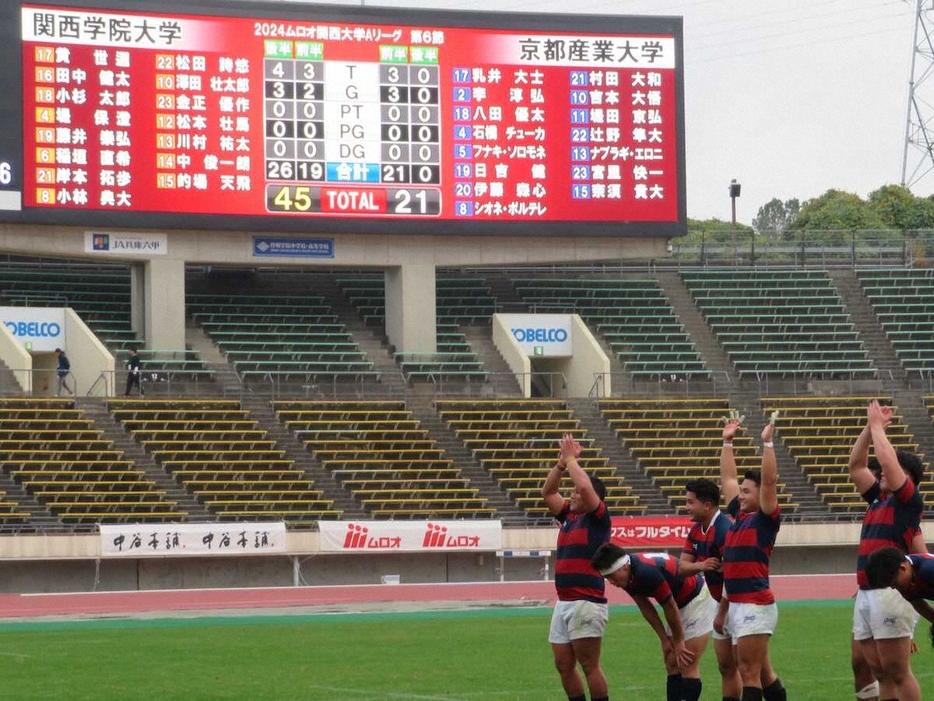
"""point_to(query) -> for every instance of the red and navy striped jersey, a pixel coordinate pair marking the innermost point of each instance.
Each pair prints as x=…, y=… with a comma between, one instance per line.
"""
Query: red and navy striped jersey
x=578, y=539
x=704, y=543
x=749, y=544
x=922, y=584
x=890, y=521
x=656, y=575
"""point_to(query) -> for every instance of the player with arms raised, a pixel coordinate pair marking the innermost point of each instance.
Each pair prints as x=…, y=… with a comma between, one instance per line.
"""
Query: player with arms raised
x=581, y=613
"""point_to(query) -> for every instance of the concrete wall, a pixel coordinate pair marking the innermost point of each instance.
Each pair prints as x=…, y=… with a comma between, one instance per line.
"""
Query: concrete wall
x=16, y=358
x=92, y=365
x=512, y=353
x=71, y=563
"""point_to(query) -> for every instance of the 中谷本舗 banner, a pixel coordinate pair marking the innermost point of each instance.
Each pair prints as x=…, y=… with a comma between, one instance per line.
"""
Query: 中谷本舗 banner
x=178, y=539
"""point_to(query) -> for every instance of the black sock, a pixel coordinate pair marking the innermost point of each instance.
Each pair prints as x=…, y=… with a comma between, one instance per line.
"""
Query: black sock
x=582, y=697
x=599, y=698
x=731, y=698
x=674, y=687
x=690, y=688
x=751, y=693
x=775, y=691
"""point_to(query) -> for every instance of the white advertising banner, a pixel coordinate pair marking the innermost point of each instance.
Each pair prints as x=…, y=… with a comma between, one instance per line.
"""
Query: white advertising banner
x=126, y=244
x=43, y=328
x=541, y=335
x=410, y=536
x=201, y=539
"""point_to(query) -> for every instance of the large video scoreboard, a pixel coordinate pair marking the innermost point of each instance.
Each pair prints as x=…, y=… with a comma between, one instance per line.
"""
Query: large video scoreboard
x=282, y=117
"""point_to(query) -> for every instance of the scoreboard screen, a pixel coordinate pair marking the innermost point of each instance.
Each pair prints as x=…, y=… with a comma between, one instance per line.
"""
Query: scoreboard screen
x=282, y=117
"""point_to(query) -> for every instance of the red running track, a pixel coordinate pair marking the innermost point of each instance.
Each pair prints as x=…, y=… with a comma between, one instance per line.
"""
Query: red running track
x=786, y=588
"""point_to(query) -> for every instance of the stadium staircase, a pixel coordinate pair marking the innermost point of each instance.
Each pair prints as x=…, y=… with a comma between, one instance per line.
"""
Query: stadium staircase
x=97, y=410
x=9, y=387
x=261, y=410
x=446, y=439
x=501, y=380
x=891, y=372
x=508, y=300
x=605, y=439
x=682, y=304
x=35, y=516
x=370, y=339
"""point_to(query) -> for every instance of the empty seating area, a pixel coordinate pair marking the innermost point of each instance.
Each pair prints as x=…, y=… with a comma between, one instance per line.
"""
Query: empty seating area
x=632, y=314
x=98, y=293
x=224, y=458
x=280, y=337
x=819, y=433
x=380, y=453
x=516, y=442
x=778, y=322
x=903, y=301
x=677, y=440
x=53, y=450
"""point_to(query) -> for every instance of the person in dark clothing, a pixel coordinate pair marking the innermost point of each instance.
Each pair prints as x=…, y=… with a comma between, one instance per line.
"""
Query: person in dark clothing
x=133, y=366
x=63, y=370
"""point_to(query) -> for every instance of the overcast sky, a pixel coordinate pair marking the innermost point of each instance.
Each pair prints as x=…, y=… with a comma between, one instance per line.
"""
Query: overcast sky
x=790, y=97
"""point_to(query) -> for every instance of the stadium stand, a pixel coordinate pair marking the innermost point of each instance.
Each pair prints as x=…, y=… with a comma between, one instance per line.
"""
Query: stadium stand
x=224, y=458
x=515, y=440
x=677, y=440
x=632, y=314
x=461, y=300
x=280, y=338
x=819, y=433
x=98, y=293
x=381, y=454
x=903, y=301
x=54, y=451
x=779, y=322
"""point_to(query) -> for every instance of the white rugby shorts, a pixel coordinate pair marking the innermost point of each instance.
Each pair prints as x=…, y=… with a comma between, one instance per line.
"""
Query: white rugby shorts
x=882, y=614
x=572, y=620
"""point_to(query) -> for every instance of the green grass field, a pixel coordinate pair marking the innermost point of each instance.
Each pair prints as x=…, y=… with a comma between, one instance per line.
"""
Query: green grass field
x=471, y=655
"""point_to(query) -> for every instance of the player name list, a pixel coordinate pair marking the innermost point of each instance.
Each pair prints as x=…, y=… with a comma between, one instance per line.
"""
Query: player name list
x=137, y=112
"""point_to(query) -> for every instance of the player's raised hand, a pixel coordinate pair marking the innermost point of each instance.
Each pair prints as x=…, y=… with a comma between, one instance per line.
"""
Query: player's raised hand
x=878, y=414
x=733, y=424
x=769, y=430
x=570, y=448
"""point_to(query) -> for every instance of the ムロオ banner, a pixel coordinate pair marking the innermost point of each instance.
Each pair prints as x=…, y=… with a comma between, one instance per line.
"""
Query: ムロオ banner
x=410, y=536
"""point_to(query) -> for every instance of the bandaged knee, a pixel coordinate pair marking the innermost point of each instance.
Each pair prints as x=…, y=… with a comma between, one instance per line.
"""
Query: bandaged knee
x=870, y=691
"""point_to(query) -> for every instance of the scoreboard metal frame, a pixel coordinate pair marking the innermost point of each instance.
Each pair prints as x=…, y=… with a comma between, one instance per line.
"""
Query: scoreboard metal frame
x=293, y=194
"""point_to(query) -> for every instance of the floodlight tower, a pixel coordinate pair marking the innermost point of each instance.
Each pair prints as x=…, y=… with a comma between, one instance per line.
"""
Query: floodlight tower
x=918, y=147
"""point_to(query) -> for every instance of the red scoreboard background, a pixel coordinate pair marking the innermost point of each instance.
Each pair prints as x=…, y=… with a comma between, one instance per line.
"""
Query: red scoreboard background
x=318, y=118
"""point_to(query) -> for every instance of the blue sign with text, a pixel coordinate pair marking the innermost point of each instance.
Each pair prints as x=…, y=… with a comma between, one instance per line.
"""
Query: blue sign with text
x=303, y=248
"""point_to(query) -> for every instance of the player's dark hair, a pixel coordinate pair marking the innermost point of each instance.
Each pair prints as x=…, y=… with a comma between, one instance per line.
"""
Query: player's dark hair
x=874, y=466
x=754, y=475
x=705, y=490
x=606, y=555
x=911, y=464
x=598, y=487
x=882, y=567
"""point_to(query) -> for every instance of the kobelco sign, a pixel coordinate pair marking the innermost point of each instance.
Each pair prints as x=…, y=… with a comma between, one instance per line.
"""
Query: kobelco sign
x=42, y=328
x=541, y=334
